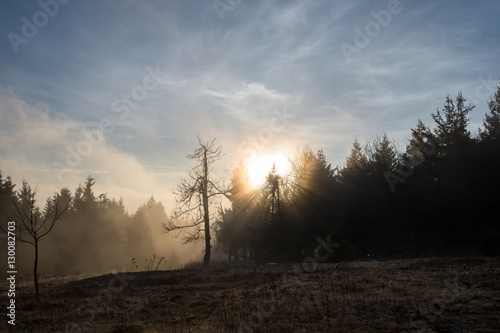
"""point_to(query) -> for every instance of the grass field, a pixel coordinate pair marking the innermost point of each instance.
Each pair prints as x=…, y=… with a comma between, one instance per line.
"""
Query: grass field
x=427, y=295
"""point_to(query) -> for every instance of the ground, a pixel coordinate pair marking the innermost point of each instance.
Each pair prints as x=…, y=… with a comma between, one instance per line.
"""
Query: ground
x=410, y=295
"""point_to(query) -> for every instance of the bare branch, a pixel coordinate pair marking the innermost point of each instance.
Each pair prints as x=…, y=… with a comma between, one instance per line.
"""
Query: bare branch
x=194, y=195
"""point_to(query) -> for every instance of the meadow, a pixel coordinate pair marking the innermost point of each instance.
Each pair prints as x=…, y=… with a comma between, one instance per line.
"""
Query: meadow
x=437, y=294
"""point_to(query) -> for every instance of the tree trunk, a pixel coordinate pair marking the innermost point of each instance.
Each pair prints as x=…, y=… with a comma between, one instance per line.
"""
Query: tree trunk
x=206, y=217
x=35, y=270
x=206, y=258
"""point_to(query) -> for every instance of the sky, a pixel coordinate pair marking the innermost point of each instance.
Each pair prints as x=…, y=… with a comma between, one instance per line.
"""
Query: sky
x=120, y=89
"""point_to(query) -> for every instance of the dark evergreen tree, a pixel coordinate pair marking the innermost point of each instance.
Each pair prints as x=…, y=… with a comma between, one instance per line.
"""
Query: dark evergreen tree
x=7, y=195
x=236, y=224
x=451, y=123
x=311, y=205
x=492, y=121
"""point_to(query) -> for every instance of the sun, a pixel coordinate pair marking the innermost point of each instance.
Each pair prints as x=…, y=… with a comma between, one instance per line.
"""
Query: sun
x=260, y=166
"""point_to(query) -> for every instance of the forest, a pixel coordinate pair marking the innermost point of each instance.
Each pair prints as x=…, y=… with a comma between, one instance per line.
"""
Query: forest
x=438, y=196
x=95, y=234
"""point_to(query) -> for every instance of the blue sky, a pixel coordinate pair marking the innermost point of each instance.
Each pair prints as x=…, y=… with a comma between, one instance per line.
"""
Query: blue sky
x=261, y=76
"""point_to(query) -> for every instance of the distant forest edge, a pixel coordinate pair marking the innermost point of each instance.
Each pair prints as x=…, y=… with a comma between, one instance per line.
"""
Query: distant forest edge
x=94, y=235
x=439, y=196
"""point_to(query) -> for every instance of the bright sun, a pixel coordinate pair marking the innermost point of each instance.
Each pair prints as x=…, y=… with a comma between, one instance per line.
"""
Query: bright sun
x=260, y=166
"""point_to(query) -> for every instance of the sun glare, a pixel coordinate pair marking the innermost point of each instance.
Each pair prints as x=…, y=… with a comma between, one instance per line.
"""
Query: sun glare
x=260, y=166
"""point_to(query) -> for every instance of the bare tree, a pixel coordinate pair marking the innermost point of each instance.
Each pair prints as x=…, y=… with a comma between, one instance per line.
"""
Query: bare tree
x=194, y=196
x=35, y=224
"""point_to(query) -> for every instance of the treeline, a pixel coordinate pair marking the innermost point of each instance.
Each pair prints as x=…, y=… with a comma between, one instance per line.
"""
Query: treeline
x=438, y=196
x=94, y=235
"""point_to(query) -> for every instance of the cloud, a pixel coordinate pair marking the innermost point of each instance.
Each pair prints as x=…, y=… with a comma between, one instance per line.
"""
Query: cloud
x=32, y=139
x=248, y=101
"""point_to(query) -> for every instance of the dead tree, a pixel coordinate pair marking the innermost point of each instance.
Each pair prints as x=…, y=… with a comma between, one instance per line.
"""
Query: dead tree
x=194, y=196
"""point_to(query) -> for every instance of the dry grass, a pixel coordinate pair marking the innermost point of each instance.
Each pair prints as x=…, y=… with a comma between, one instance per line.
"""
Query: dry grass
x=426, y=295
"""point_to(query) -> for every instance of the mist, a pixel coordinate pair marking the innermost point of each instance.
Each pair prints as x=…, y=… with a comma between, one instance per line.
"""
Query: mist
x=98, y=235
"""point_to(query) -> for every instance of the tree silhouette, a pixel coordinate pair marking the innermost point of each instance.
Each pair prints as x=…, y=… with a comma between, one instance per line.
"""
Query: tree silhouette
x=140, y=242
x=310, y=200
x=234, y=229
x=35, y=224
x=195, y=194
x=492, y=120
x=452, y=121
x=275, y=222
x=85, y=201
x=421, y=145
x=383, y=155
x=357, y=160
x=6, y=195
